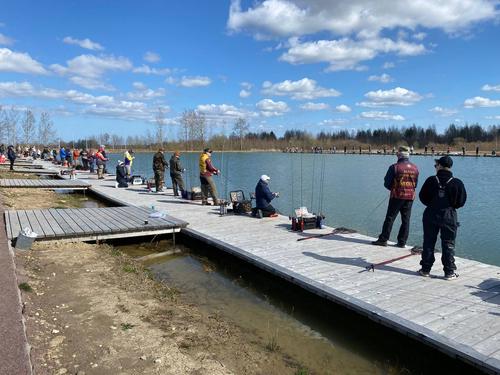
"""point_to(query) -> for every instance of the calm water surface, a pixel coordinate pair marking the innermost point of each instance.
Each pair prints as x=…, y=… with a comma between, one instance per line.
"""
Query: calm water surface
x=352, y=188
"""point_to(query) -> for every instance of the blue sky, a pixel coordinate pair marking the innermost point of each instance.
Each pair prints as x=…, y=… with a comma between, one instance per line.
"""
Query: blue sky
x=315, y=65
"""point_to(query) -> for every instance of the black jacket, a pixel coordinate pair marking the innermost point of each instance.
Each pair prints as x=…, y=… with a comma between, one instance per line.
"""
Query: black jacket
x=455, y=190
x=175, y=166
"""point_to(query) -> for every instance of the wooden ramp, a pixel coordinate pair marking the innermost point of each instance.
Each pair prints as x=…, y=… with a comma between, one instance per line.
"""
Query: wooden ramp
x=44, y=183
x=35, y=170
x=87, y=224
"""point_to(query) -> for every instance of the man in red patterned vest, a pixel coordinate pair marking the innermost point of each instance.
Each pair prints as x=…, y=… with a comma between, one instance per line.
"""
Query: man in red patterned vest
x=401, y=179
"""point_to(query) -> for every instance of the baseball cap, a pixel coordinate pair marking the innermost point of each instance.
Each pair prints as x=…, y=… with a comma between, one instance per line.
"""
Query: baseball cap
x=445, y=161
x=265, y=177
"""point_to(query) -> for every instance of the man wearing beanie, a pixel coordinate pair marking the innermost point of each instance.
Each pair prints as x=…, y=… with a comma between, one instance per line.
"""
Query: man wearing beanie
x=401, y=179
x=442, y=194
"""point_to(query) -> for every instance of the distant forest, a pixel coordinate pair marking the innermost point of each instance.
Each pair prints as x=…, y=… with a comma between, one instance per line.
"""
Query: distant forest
x=194, y=133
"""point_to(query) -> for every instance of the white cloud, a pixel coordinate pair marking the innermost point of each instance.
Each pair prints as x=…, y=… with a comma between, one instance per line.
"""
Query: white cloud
x=398, y=96
x=245, y=94
x=343, y=108
x=87, y=70
x=247, y=85
x=383, y=78
x=151, y=57
x=5, y=40
x=102, y=105
x=490, y=88
x=345, y=53
x=198, y=81
x=357, y=26
x=314, y=106
x=19, y=62
x=285, y=18
x=215, y=112
x=84, y=43
x=142, y=92
x=497, y=117
x=479, y=101
x=304, y=89
x=269, y=107
x=381, y=115
x=388, y=65
x=333, y=122
x=145, y=69
x=443, y=112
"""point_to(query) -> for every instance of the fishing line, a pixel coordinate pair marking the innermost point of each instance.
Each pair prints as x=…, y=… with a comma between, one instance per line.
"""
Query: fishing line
x=312, y=182
x=365, y=221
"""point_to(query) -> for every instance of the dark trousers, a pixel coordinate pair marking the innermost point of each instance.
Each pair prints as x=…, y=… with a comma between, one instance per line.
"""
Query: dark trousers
x=159, y=180
x=397, y=206
x=12, y=164
x=434, y=222
x=208, y=187
x=268, y=211
x=177, y=183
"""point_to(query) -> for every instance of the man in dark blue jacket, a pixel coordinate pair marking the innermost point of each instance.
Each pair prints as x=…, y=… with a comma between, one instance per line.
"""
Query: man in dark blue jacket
x=11, y=155
x=263, y=198
x=443, y=194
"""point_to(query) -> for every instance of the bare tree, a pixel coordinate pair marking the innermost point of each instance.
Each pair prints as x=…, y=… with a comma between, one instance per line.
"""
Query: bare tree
x=3, y=125
x=160, y=126
x=240, y=129
x=46, y=132
x=116, y=140
x=28, y=127
x=10, y=119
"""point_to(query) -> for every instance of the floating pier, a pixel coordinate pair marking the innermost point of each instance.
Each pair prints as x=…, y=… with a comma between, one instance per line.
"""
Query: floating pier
x=90, y=224
x=44, y=184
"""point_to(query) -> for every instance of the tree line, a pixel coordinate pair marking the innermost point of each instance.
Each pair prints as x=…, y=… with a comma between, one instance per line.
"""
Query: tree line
x=194, y=132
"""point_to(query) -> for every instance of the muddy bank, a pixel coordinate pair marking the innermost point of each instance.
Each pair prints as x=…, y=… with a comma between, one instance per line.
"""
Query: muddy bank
x=92, y=310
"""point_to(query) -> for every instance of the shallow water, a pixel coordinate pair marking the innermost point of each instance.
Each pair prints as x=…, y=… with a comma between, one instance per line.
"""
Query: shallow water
x=353, y=193
x=314, y=333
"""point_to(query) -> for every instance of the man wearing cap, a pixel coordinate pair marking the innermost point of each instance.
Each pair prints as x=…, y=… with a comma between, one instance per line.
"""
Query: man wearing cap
x=159, y=165
x=176, y=173
x=401, y=179
x=442, y=195
x=263, y=198
x=207, y=183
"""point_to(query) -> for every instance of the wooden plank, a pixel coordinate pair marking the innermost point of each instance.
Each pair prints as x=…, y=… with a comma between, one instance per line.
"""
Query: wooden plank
x=47, y=230
x=14, y=223
x=23, y=219
x=117, y=221
x=68, y=230
x=89, y=221
x=103, y=222
x=82, y=220
x=71, y=221
x=51, y=221
x=93, y=214
x=35, y=225
x=8, y=228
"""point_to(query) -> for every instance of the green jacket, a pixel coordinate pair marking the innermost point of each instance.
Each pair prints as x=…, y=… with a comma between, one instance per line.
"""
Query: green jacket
x=159, y=162
x=175, y=166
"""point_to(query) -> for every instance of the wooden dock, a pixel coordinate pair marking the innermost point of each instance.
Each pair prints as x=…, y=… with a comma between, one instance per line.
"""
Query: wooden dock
x=90, y=224
x=44, y=184
x=460, y=317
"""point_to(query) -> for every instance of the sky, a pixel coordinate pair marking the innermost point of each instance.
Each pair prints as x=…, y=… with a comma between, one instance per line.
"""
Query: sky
x=317, y=65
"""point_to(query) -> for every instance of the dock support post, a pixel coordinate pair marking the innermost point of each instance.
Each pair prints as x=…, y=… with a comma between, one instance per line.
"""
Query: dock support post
x=173, y=236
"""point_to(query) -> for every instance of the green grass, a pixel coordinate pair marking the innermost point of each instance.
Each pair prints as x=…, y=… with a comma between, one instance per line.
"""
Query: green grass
x=127, y=326
x=272, y=344
x=25, y=287
x=129, y=268
x=302, y=371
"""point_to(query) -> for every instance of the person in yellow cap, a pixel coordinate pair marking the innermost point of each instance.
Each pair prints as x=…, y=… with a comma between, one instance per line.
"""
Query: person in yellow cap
x=176, y=171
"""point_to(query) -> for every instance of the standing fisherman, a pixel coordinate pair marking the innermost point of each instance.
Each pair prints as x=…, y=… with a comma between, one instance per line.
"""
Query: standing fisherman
x=128, y=158
x=159, y=165
x=11, y=155
x=401, y=179
x=176, y=173
x=207, y=183
x=443, y=194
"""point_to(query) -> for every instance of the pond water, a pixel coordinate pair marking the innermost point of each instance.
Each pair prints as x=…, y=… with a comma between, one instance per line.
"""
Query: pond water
x=349, y=191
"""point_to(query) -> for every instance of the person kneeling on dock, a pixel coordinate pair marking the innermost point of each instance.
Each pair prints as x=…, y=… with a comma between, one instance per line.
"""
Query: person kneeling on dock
x=442, y=194
x=401, y=179
x=121, y=175
x=159, y=165
x=207, y=183
x=263, y=198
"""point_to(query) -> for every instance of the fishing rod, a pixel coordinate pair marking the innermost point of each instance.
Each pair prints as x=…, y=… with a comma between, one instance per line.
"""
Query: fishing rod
x=416, y=250
x=339, y=230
